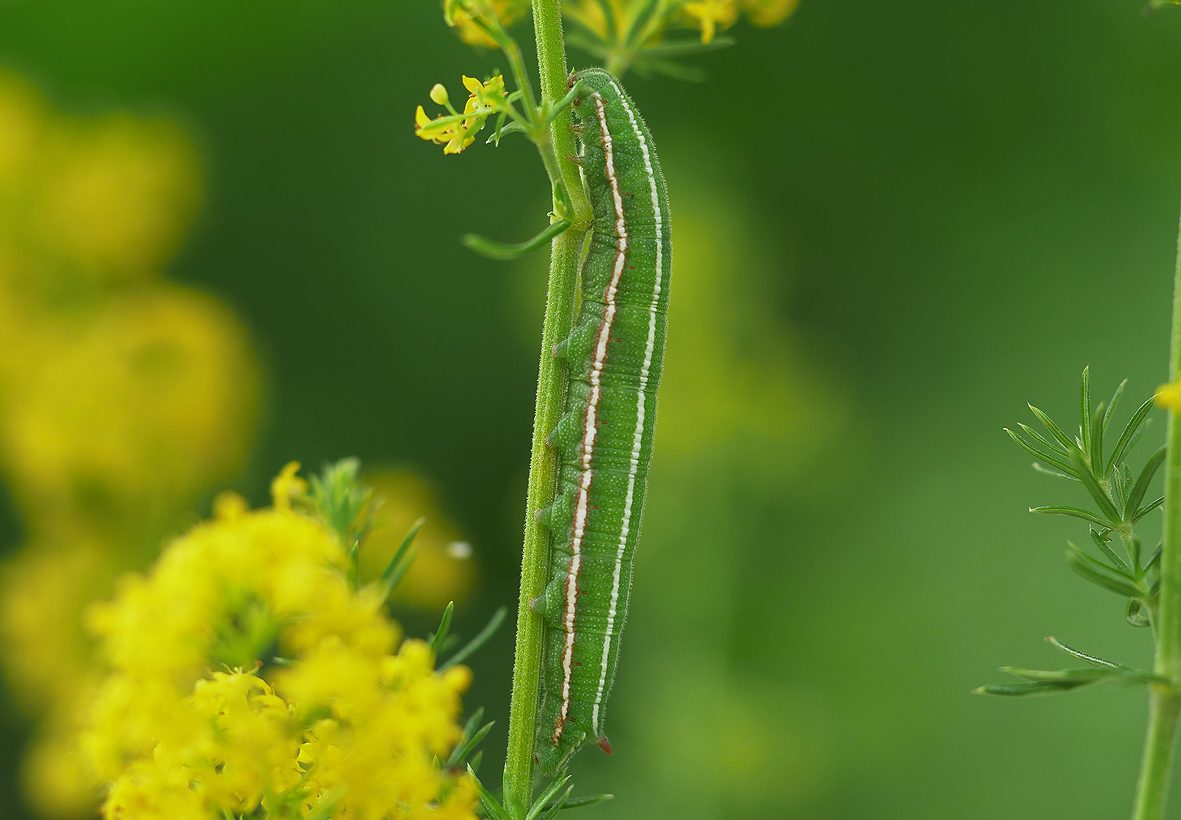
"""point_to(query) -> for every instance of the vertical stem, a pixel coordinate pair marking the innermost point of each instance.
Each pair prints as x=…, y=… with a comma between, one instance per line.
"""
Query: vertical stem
x=1163, y=710
x=1168, y=656
x=551, y=63
x=566, y=252
x=1165, y=703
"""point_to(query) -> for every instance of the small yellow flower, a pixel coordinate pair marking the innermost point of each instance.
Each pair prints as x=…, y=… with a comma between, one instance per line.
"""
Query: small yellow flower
x=287, y=486
x=472, y=19
x=710, y=15
x=455, y=131
x=767, y=13
x=1168, y=396
x=450, y=131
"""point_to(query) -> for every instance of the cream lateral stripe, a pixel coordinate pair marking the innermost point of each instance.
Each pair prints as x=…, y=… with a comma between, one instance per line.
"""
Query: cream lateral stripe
x=637, y=438
x=588, y=439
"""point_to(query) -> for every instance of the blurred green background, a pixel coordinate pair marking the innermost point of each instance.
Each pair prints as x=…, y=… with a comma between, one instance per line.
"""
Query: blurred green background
x=895, y=223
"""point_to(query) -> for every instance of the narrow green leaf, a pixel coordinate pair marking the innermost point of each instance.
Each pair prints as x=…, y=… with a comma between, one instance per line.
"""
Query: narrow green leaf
x=469, y=729
x=1085, y=410
x=668, y=68
x=502, y=251
x=403, y=548
x=460, y=754
x=1095, y=563
x=1105, y=548
x=687, y=48
x=1038, y=467
x=1053, y=429
x=1126, y=438
x=1097, y=441
x=440, y=636
x=586, y=800
x=1111, y=405
x=636, y=32
x=1106, y=507
x=1121, y=481
x=487, y=632
x=1147, y=508
x=1078, y=562
x=1078, y=677
x=1142, y=482
x=613, y=30
x=1153, y=559
x=491, y=805
x=547, y=796
x=1046, y=444
x=1094, y=660
x=561, y=104
x=1076, y=512
x=1040, y=453
x=551, y=810
x=1022, y=689
x=513, y=127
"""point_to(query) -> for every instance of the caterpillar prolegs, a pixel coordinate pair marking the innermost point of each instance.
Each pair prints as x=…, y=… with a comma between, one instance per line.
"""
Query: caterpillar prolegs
x=604, y=440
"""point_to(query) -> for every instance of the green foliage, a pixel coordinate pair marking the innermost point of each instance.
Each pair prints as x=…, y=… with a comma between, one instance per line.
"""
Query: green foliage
x=1116, y=493
x=553, y=798
x=1051, y=682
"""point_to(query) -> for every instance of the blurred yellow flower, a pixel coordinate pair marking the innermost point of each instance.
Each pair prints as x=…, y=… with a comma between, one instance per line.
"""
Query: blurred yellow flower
x=769, y=13
x=710, y=15
x=117, y=195
x=590, y=14
x=320, y=711
x=45, y=586
x=22, y=124
x=471, y=18
x=443, y=569
x=122, y=399
x=57, y=779
x=1168, y=396
x=137, y=406
x=287, y=486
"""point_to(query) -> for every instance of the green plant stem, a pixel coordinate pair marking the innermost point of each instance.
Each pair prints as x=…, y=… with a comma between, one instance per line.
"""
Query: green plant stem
x=1163, y=710
x=1165, y=703
x=566, y=252
x=551, y=62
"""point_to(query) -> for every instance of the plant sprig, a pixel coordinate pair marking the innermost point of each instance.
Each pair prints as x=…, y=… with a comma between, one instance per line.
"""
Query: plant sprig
x=1117, y=494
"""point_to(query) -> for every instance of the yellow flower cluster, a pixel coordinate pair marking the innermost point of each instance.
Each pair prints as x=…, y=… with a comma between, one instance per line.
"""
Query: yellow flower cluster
x=117, y=389
x=472, y=19
x=455, y=131
x=713, y=15
x=123, y=398
x=710, y=16
x=245, y=674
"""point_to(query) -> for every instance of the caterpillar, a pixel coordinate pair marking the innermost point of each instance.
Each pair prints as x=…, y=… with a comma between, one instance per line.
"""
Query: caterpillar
x=613, y=359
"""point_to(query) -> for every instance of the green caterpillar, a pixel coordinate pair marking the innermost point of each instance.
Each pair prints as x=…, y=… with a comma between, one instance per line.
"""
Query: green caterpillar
x=613, y=358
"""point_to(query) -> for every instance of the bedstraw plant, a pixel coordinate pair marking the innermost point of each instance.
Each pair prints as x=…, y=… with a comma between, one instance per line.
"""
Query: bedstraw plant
x=608, y=235
x=1114, y=555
